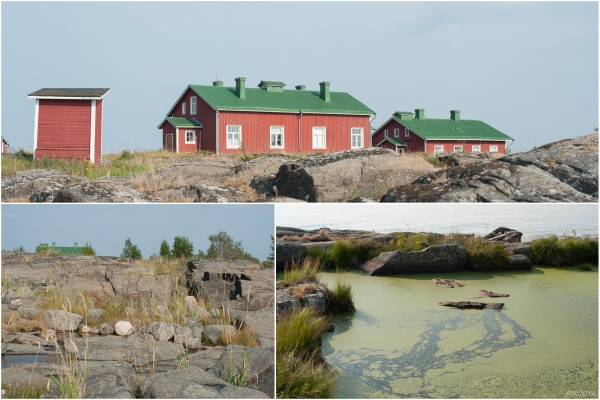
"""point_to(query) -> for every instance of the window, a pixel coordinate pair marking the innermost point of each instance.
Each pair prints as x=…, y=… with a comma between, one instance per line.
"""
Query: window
x=438, y=148
x=385, y=134
x=406, y=132
x=234, y=136
x=457, y=148
x=318, y=137
x=193, y=105
x=493, y=149
x=357, y=138
x=476, y=149
x=190, y=137
x=183, y=108
x=396, y=132
x=277, y=137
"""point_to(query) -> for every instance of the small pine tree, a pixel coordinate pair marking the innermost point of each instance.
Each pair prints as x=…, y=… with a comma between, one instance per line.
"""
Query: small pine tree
x=131, y=251
x=165, y=250
x=182, y=247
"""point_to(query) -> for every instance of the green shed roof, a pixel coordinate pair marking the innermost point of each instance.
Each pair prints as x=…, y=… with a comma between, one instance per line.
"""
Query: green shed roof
x=465, y=129
x=394, y=141
x=224, y=98
x=182, y=122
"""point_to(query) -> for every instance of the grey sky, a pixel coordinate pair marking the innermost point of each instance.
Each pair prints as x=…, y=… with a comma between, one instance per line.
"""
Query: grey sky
x=529, y=69
x=107, y=226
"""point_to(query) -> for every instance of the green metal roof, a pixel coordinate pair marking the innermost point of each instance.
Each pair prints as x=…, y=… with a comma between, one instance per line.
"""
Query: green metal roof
x=465, y=129
x=404, y=112
x=224, y=98
x=271, y=83
x=181, y=122
x=394, y=141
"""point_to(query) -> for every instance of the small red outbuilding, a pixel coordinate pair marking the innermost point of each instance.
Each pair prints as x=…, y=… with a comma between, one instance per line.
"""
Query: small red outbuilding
x=68, y=123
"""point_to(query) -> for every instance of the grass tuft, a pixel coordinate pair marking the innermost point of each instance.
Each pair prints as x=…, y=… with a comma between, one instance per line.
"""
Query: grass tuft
x=301, y=377
x=302, y=271
x=569, y=250
x=340, y=298
x=300, y=332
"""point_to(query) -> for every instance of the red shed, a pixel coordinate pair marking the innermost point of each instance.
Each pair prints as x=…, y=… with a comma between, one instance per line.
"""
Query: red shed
x=68, y=123
x=406, y=131
x=4, y=145
x=269, y=118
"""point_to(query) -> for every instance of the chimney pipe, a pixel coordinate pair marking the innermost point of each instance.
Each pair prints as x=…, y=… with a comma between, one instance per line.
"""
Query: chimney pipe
x=324, y=95
x=240, y=87
x=300, y=87
x=455, y=115
x=420, y=113
x=218, y=83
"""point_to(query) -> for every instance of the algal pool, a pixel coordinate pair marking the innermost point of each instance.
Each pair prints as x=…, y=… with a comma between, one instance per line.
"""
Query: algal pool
x=401, y=343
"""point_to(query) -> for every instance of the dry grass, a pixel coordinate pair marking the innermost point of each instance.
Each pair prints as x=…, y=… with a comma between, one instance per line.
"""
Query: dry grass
x=322, y=236
x=12, y=322
x=244, y=336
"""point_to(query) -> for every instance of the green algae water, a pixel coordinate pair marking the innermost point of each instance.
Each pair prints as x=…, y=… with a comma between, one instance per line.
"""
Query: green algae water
x=401, y=343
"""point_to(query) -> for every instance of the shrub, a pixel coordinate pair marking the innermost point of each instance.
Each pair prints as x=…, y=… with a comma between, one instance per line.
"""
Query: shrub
x=303, y=378
x=339, y=299
x=88, y=250
x=584, y=266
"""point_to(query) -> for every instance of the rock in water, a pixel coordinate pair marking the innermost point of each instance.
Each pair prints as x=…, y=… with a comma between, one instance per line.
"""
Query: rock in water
x=123, y=328
x=472, y=304
x=485, y=293
x=447, y=283
x=504, y=235
x=443, y=258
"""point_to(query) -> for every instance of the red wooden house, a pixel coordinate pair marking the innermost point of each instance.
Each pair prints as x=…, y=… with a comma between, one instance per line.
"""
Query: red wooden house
x=68, y=123
x=269, y=118
x=406, y=131
x=4, y=145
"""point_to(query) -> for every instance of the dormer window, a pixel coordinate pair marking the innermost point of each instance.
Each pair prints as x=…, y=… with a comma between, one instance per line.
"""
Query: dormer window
x=183, y=108
x=193, y=105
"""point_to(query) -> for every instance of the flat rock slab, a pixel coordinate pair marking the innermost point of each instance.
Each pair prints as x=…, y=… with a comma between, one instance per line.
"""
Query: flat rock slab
x=486, y=293
x=256, y=361
x=288, y=252
x=472, y=304
x=193, y=383
x=25, y=183
x=447, y=283
x=132, y=280
x=444, y=258
x=98, y=192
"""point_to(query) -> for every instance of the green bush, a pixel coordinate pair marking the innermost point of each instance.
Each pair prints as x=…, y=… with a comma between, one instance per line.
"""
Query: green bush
x=88, y=250
x=339, y=299
x=584, y=266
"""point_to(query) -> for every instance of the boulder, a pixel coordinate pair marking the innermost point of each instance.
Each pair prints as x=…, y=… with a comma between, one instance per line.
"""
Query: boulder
x=106, y=329
x=262, y=322
x=19, y=376
x=29, y=312
x=447, y=283
x=287, y=252
x=488, y=181
x=256, y=361
x=95, y=313
x=286, y=302
x=212, y=333
x=193, y=383
x=573, y=161
x=24, y=183
x=193, y=343
x=504, y=235
x=472, y=304
x=162, y=331
x=434, y=259
x=334, y=177
x=60, y=320
x=182, y=333
x=197, y=331
x=516, y=262
x=98, y=192
x=123, y=328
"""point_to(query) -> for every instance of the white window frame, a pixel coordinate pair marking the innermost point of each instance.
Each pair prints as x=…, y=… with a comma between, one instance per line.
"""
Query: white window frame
x=396, y=132
x=438, y=148
x=476, y=148
x=183, y=108
x=494, y=149
x=275, y=133
x=358, y=133
x=231, y=142
x=385, y=133
x=406, y=132
x=187, y=141
x=193, y=105
x=324, y=137
x=458, y=148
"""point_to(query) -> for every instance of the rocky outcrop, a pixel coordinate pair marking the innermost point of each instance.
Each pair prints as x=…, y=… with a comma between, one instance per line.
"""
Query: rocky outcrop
x=193, y=383
x=573, y=161
x=133, y=280
x=444, y=258
x=93, y=192
x=447, y=283
x=288, y=252
x=472, y=304
x=504, y=235
x=24, y=183
x=516, y=262
x=486, y=293
x=342, y=175
x=564, y=171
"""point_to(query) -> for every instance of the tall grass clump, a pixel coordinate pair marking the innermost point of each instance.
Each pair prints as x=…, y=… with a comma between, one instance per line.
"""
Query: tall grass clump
x=23, y=390
x=341, y=254
x=569, y=250
x=482, y=252
x=302, y=271
x=301, y=378
x=300, y=332
x=340, y=298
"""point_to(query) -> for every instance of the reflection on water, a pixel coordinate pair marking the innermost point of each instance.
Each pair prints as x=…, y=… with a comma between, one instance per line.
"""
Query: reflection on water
x=400, y=343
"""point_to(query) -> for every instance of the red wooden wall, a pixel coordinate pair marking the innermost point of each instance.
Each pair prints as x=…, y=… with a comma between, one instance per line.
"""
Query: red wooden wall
x=413, y=142
x=204, y=114
x=64, y=128
x=466, y=144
